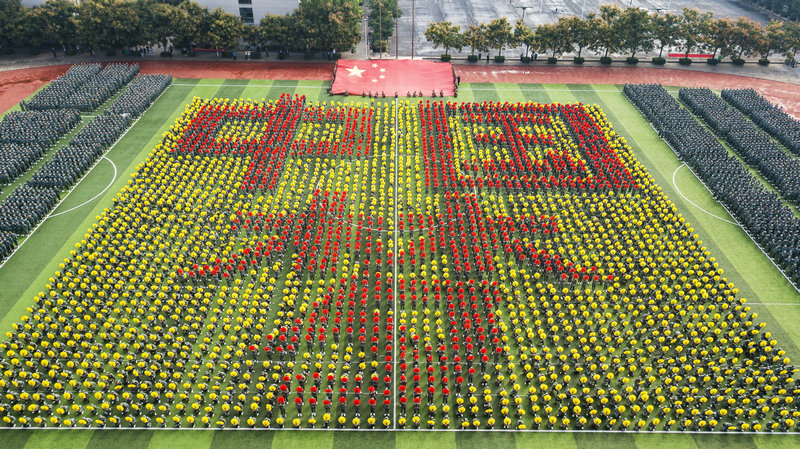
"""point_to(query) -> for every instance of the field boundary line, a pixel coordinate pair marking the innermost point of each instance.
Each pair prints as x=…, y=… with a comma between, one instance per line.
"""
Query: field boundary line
x=455, y=430
x=677, y=189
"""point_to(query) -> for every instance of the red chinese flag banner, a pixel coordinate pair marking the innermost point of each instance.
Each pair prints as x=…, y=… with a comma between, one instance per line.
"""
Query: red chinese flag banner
x=393, y=76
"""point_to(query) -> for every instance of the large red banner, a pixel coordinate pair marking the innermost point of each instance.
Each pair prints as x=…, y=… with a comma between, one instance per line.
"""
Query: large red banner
x=387, y=77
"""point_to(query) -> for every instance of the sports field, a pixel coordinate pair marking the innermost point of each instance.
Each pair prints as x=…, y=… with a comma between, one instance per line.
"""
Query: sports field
x=26, y=274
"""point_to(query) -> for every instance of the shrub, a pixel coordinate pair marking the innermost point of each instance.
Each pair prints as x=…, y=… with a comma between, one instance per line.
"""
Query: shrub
x=472, y=58
x=227, y=54
x=166, y=54
x=552, y=60
x=71, y=52
x=445, y=58
x=763, y=61
x=499, y=58
x=632, y=60
x=712, y=61
x=578, y=59
x=605, y=60
x=659, y=61
x=685, y=61
x=255, y=55
x=336, y=56
x=6, y=51
x=111, y=52
x=525, y=59
x=192, y=54
x=308, y=55
x=35, y=51
x=282, y=55
x=738, y=61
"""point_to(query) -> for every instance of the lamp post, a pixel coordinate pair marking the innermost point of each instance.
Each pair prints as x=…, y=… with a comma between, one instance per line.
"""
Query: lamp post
x=413, y=25
x=380, y=29
x=523, y=8
x=366, y=40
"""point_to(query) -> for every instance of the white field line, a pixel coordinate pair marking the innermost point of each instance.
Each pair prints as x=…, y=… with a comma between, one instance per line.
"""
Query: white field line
x=674, y=184
x=113, y=178
x=334, y=429
x=394, y=282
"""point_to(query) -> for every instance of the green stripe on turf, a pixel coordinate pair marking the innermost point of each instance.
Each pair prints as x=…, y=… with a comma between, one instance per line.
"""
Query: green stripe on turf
x=484, y=91
x=231, y=89
x=600, y=440
x=776, y=441
x=662, y=441
x=244, y=439
x=548, y=440
x=303, y=440
x=560, y=93
x=482, y=440
x=105, y=439
x=354, y=440
x=15, y=438
x=437, y=440
x=281, y=87
x=181, y=439
x=534, y=92
x=61, y=439
x=718, y=441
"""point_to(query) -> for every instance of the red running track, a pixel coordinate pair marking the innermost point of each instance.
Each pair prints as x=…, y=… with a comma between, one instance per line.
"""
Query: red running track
x=15, y=85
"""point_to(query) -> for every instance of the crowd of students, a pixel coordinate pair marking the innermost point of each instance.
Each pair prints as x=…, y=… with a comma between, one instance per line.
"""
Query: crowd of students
x=25, y=136
x=760, y=211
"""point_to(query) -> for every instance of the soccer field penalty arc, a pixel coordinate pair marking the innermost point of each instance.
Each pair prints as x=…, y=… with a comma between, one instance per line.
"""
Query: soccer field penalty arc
x=403, y=265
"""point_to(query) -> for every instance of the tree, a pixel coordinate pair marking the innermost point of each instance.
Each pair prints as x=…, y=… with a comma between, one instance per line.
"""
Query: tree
x=717, y=34
x=582, y=33
x=690, y=31
x=553, y=37
x=11, y=13
x=774, y=38
x=607, y=32
x=634, y=30
x=275, y=31
x=475, y=38
x=222, y=30
x=792, y=39
x=36, y=28
x=499, y=34
x=327, y=24
x=745, y=37
x=444, y=34
x=186, y=20
x=382, y=16
x=109, y=24
x=524, y=35
x=665, y=29
x=157, y=22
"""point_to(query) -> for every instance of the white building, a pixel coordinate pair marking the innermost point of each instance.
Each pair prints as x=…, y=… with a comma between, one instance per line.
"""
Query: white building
x=251, y=11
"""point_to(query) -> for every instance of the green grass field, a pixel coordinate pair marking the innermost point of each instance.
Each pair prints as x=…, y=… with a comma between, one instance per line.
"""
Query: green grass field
x=775, y=300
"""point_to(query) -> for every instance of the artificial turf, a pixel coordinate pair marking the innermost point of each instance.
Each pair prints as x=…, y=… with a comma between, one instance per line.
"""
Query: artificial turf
x=776, y=301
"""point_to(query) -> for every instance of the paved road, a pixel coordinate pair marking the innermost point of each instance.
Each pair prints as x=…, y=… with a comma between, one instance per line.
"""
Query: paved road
x=466, y=12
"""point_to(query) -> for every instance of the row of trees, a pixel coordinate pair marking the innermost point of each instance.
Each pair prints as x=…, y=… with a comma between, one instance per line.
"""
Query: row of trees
x=114, y=24
x=625, y=31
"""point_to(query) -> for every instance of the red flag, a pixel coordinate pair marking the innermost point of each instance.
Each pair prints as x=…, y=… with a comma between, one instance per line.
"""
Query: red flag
x=390, y=76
